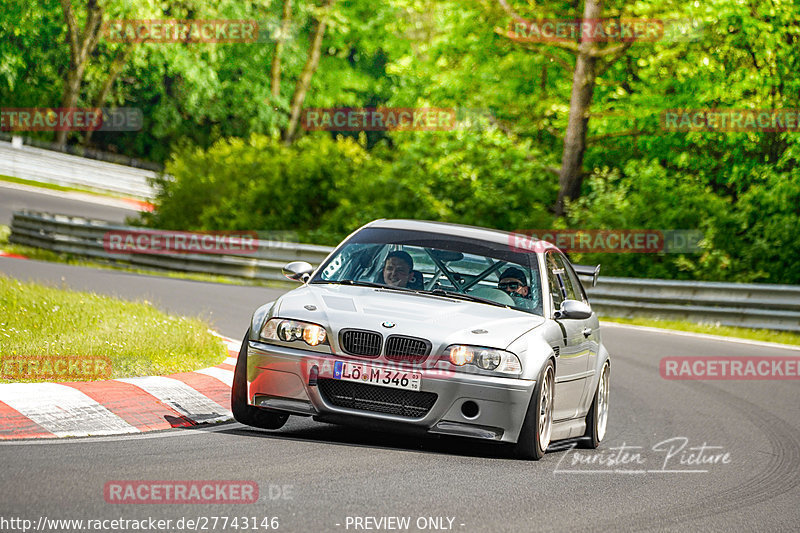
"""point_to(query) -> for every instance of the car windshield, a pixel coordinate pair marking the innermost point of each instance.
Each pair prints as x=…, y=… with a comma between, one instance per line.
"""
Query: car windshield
x=445, y=265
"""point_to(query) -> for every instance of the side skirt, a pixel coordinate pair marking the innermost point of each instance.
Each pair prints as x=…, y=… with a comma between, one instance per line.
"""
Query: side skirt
x=565, y=429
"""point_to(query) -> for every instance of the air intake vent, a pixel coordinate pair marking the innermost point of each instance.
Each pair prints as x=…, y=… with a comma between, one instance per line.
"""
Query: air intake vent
x=409, y=404
x=360, y=342
x=556, y=350
x=407, y=349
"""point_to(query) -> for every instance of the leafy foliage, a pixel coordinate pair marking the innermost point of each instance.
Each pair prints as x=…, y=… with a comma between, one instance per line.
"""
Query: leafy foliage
x=324, y=187
x=211, y=117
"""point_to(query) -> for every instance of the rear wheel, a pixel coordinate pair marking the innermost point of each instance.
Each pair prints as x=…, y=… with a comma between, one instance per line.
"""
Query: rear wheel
x=244, y=412
x=597, y=419
x=534, y=437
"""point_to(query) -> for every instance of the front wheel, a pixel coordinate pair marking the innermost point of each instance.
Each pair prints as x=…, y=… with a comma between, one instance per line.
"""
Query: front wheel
x=534, y=437
x=243, y=412
x=597, y=419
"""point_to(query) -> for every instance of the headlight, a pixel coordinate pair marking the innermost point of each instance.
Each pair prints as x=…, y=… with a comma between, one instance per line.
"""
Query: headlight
x=280, y=329
x=490, y=359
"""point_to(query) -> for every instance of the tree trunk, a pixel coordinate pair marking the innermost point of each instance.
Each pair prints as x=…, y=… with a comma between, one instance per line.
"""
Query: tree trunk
x=570, y=177
x=301, y=88
x=70, y=98
x=80, y=47
x=113, y=73
x=543, y=82
x=286, y=21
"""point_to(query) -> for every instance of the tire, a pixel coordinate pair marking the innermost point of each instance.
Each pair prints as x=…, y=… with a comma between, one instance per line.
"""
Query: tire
x=597, y=419
x=242, y=411
x=537, y=428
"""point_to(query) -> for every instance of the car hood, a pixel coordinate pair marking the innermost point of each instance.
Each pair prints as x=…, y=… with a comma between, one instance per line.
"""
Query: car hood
x=440, y=320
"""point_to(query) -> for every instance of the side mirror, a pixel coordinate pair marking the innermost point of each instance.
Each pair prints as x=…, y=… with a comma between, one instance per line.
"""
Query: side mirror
x=298, y=271
x=573, y=309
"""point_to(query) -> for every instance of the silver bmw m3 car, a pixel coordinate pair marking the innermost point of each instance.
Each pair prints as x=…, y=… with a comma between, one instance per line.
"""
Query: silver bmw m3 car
x=432, y=327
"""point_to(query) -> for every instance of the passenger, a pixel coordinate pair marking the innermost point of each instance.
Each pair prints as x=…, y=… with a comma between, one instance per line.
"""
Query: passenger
x=398, y=270
x=514, y=283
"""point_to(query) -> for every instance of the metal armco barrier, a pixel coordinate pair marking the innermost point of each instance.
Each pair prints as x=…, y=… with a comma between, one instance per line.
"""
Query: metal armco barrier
x=84, y=237
x=750, y=305
x=763, y=306
x=48, y=166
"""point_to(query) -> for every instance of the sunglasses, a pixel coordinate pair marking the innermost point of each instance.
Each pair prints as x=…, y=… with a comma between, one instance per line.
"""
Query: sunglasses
x=513, y=285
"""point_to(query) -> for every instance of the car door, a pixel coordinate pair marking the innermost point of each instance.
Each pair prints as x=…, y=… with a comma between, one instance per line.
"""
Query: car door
x=591, y=331
x=574, y=353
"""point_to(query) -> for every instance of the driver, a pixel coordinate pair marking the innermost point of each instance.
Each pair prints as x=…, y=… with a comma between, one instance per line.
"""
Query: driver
x=398, y=269
x=514, y=283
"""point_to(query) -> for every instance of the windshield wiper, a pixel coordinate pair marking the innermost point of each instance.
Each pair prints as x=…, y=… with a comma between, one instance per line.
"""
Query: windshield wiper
x=462, y=296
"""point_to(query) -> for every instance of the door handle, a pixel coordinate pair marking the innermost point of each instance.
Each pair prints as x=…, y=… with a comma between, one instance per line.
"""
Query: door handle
x=587, y=332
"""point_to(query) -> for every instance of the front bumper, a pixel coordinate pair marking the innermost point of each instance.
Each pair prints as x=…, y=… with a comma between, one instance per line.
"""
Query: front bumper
x=278, y=379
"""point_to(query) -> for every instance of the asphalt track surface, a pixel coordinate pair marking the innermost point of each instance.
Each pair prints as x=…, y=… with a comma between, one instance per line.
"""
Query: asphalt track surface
x=338, y=472
x=14, y=197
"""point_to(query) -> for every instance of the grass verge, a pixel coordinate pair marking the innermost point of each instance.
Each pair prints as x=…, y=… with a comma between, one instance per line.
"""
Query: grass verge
x=62, y=188
x=764, y=335
x=38, y=321
x=43, y=185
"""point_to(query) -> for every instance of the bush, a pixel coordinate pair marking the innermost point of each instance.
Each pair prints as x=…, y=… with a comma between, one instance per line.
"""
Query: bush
x=259, y=184
x=467, y=177
x=751, y=238
x=324, y=188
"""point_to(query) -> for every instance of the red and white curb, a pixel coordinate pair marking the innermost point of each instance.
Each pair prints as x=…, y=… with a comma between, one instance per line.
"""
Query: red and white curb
x=118, y=406
x=11, y=256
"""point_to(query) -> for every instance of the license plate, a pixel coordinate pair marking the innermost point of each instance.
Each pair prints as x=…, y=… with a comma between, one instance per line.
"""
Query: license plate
x=373, y=375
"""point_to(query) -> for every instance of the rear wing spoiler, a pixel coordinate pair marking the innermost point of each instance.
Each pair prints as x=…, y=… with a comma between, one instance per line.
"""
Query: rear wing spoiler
x=588, y=271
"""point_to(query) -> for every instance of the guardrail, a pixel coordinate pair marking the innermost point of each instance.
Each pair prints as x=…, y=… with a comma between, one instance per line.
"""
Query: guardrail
x=48, y=166
x=17, y=138
x=762, y=306
x=750, y=305
x=84, y=237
